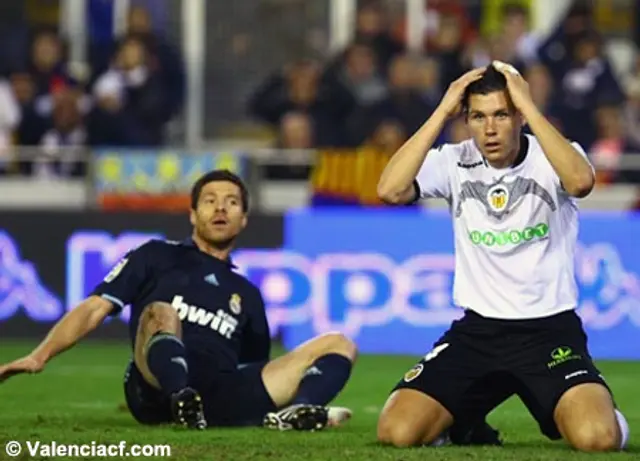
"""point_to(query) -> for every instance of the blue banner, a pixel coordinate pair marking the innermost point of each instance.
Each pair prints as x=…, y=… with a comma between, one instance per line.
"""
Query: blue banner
x=385, y=278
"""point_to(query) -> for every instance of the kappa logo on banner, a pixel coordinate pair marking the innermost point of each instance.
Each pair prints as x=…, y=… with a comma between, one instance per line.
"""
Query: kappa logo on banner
x=21, y=287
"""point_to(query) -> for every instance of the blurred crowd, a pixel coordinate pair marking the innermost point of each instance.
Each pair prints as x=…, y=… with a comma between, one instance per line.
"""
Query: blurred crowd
x=371, y=95
x=375, y=93
x=131, y=88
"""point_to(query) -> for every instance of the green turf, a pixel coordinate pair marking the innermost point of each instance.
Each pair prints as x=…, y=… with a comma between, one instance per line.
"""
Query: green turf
x=78, y=399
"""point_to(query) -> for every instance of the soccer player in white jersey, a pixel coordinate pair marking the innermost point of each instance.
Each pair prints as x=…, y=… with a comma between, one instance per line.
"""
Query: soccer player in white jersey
x=513, y=204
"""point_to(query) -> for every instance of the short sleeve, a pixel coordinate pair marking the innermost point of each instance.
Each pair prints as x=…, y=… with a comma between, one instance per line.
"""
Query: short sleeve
x=122, y=284
x=433, y=180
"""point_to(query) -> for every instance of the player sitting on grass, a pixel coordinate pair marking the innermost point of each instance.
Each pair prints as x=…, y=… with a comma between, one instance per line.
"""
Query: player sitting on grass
x=199, y=332
x=515, y=219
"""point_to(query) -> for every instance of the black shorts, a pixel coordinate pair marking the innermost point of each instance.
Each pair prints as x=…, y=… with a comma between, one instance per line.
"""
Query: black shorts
x=479, y=363
x=234, y=399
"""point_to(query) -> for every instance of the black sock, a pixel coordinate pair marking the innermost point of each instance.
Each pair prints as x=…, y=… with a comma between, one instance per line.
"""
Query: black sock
x=166, y=358
x=324, y=380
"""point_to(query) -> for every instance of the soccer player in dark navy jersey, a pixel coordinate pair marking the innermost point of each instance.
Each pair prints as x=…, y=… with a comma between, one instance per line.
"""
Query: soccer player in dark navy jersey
x=199, y=333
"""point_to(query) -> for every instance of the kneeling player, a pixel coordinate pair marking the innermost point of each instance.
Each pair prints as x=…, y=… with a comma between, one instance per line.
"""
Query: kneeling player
x=199, y=332
x=515, y=221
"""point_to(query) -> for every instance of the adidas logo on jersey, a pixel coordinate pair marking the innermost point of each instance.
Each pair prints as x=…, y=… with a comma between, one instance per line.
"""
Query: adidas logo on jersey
x=223, y=323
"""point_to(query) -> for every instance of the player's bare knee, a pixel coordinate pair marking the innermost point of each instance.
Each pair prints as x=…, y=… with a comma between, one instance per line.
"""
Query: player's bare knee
x=595, y=436
x=160, y=317
x=399, y=432
x=337, y=343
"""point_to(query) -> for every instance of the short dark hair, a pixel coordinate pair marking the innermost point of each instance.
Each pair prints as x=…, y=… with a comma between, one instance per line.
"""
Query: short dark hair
x=218, y=176
x=492, y=80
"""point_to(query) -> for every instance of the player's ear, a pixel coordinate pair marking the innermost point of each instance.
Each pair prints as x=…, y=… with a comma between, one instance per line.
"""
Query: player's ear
x=192, y=216
x=245, y=219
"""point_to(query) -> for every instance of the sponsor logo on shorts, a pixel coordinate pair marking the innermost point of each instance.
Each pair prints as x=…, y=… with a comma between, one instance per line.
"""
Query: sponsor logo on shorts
x=413, y=373
x=561, y=355
x=510, y=237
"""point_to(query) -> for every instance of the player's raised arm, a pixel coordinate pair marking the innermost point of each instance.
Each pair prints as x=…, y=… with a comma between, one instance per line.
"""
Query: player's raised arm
x=396, y=185
x=70, y=329
x=572, y=167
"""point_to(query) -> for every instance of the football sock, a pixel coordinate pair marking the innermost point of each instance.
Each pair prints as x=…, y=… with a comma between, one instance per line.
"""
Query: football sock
x=624, y=429
x=324, y=380
x=166, y=358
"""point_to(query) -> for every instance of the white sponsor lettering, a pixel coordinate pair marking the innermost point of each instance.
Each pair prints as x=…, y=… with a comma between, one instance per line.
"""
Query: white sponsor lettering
x=223, y=323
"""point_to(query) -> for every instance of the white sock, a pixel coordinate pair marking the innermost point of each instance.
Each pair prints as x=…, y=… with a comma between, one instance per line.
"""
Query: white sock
x=624, y=429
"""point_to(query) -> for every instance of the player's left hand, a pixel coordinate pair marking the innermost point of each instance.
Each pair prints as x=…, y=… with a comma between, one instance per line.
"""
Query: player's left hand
x=517, y=86
x=28, y=364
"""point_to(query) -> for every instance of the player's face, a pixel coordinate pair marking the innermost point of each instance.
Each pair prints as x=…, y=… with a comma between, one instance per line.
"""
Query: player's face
x=495, y=126
x=219, y=217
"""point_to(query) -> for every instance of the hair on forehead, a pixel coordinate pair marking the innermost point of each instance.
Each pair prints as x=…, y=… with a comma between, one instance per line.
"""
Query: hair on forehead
x=491, y=81
x=219, y=176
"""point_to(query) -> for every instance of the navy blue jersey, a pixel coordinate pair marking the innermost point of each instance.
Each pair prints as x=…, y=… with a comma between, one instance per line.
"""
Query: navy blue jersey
x=223, y=317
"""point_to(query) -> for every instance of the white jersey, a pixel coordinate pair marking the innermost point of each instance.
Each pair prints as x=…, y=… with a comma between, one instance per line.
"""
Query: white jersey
x=515, y=231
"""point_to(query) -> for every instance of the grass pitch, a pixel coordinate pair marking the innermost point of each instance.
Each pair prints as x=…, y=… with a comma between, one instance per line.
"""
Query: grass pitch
x=78, y=399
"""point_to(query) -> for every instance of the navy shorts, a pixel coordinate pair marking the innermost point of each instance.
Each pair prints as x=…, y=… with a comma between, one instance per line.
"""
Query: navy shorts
x=233, y=399
x=479, y=363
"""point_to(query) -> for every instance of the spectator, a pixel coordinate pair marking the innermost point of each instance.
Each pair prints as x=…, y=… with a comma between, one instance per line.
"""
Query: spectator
x=357, y=72
x=588, y=79
x=388, y=136
x=449, y=48
x=372, y=29
x=296, y=132
x=429, y=81
x=132, y=106
x=632, y=106
x=296, y=137
x=164, y=58
x=48, y=66
x=541, y=88
x=403, y=103
x=611, y=143
x=300, y=88
x=33, y=123
x=521, y=42
x=61, y=150
x=555, y=51
x=9, y=119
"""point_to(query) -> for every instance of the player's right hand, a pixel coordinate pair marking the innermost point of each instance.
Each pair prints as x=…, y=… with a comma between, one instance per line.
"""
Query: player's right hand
x=27, y=364
x=452, y=101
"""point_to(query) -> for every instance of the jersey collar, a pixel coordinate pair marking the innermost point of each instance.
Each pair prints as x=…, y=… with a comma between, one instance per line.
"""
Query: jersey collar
x=190, y=243
x=522, y=153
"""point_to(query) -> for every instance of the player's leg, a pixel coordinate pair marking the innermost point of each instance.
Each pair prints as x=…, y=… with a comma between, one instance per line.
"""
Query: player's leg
x=302, y=382
x=446, y=393
x=564, y=390
x=411, y=418
x=161, y=358
x=586, y=417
